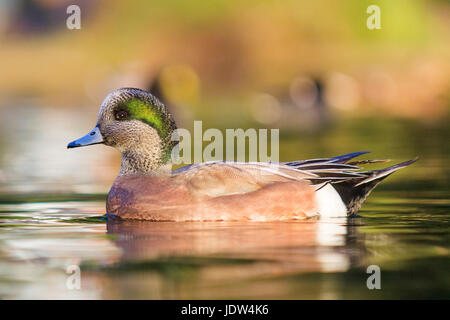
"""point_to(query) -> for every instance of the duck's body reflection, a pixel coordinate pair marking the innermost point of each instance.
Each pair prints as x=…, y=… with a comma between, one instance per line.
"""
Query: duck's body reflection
x=219, y=260
x=312, y=245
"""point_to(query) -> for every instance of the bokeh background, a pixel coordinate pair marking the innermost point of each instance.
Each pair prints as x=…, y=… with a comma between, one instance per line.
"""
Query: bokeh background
x=310, y=68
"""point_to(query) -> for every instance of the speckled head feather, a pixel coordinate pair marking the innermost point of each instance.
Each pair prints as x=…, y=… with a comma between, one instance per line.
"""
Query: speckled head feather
x=140, y=126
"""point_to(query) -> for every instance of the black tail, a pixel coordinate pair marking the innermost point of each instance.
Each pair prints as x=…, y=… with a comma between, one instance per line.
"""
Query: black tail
x=354, y=191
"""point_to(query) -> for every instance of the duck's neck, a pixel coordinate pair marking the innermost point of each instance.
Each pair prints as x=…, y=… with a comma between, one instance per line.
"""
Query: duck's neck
x=145, y=163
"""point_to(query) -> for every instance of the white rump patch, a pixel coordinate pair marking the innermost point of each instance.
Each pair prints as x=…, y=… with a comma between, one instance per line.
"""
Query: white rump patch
x=329, y=202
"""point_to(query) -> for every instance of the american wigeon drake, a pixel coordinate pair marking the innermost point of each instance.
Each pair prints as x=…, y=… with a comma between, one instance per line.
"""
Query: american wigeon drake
x=140, y=127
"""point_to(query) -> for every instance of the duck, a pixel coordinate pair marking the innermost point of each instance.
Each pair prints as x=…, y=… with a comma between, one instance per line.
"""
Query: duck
x=137, y=124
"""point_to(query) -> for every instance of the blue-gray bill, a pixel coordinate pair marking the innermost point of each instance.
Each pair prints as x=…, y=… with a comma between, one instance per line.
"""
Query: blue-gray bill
x=93, y=137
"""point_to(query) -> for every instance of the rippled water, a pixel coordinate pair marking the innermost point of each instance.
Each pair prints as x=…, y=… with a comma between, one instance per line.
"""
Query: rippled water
x=52, y=217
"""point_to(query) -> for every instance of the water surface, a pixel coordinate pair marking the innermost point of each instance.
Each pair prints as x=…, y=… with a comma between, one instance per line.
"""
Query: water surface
x=52, y=217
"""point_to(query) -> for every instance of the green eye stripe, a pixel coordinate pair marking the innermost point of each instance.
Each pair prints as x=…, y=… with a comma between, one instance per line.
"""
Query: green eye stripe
x=140, y=110
x=155, y=115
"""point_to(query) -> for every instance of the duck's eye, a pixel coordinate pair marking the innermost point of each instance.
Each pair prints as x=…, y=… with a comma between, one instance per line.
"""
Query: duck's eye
x=121, y=115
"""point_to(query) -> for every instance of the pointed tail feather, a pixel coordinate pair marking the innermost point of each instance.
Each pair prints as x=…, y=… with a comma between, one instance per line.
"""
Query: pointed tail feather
x=354, y=163
x=355, y=191
x=344, y=158
x=339, y=159
x=383, y=173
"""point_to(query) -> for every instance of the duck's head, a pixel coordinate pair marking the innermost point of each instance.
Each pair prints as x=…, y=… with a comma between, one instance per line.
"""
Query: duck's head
x=138, y=125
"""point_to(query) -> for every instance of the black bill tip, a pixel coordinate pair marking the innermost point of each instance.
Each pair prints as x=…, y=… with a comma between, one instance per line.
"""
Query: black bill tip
x=73, y=144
